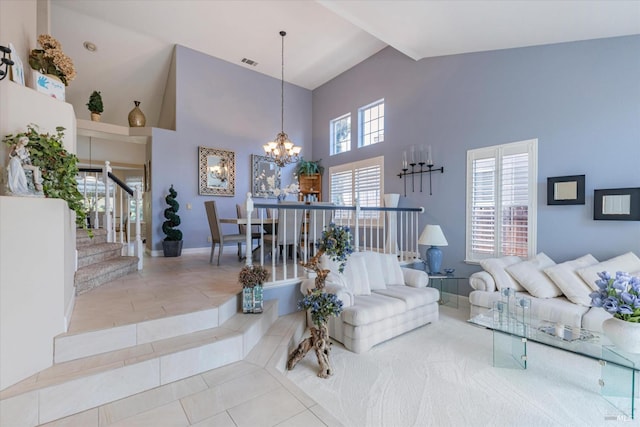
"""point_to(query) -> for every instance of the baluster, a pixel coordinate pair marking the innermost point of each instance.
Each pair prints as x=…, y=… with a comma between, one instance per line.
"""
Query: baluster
x=120, y=233
x=138, y=250
x=107, y=202
x=96, y=218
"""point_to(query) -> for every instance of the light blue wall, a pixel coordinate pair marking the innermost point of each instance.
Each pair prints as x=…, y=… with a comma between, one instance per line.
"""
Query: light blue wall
x=225, y=106
x=581, y=100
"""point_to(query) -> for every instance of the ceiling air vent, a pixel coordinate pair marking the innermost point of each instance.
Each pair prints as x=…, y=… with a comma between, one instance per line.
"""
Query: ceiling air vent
x=249, y=61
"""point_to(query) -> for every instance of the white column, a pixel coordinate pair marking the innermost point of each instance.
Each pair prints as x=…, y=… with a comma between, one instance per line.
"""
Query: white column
x=391, y=242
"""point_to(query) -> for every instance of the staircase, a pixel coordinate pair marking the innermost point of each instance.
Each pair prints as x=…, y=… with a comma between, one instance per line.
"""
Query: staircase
x=95, y=368
x=99, y=261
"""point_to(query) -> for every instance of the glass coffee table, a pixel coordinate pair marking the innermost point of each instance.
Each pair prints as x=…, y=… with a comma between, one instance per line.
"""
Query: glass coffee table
x=512, y=330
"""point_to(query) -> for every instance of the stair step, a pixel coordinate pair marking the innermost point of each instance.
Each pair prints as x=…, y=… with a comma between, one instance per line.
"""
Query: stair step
x=83, y=239
x=75, y=386
x=71, y=346
x=98, y=252
x=94, y=275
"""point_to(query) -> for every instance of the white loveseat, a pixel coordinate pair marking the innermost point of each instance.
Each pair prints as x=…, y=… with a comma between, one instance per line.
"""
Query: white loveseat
x=380, y=298
x=559, y=292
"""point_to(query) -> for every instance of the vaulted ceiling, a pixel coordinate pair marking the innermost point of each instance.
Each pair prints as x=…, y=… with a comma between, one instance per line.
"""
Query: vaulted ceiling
x=135, y=38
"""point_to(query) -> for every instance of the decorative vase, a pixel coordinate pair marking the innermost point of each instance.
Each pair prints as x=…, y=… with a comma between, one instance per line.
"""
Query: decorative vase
x=624, y=335
x=136, y=116
x=95, y=117
x=172, y=248
x=252, y=300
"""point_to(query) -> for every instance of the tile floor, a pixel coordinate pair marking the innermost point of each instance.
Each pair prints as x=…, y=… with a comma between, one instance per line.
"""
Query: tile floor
x=251, y=392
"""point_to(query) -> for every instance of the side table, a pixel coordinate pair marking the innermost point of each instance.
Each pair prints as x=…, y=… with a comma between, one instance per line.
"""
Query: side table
x=448, y=287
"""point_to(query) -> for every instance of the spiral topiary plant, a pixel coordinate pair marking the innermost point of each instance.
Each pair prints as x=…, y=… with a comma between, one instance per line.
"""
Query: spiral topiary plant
x=173, y=220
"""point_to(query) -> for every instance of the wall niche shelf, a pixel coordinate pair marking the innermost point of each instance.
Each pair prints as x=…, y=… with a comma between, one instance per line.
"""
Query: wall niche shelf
x=138, y=135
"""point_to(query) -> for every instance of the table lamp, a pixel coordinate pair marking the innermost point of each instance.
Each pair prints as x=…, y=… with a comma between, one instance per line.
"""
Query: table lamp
x=432, y=235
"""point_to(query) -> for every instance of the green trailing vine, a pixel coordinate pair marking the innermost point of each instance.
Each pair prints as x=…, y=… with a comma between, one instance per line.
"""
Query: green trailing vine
x=173, y=220
x=59, y=168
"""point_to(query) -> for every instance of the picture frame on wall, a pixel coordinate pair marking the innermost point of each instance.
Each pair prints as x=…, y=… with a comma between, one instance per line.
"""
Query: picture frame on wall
x=566, y=190
x=617, y=204
x=17, y=69
x=216, y=172
x=265, y=175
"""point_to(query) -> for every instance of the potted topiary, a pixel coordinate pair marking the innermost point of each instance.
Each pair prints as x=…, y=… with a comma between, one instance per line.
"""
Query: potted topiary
x=95, y=105
x=172, y=244
x=252, y=277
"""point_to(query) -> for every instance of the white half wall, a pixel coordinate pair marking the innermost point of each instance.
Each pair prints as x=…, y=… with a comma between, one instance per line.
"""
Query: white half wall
x=37, y=261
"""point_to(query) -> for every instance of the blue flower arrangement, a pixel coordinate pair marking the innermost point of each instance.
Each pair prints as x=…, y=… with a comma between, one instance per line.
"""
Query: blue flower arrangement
x=321, y=305
x=336, y=242
x=619, y=295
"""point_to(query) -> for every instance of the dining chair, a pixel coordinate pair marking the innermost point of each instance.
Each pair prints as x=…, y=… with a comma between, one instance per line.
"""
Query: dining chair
x=289, y=227
x=216, y=232
x=256, y=230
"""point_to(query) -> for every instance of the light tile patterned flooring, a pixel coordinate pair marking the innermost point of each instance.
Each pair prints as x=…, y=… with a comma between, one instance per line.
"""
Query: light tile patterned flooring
x=251, y=392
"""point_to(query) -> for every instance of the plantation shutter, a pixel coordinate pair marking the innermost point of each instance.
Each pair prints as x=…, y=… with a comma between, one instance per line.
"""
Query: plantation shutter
x=501, y=201
x=362, y=180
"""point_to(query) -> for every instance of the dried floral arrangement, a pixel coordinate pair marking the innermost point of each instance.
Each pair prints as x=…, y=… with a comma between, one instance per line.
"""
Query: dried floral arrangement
x=51, y=60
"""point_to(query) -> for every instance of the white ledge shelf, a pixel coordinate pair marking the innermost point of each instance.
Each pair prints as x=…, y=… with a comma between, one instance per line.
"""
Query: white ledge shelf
x=108, y=131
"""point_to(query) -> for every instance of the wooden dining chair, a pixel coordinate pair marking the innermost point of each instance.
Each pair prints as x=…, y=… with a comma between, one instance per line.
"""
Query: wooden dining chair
x=216, y=232
x=289, y=227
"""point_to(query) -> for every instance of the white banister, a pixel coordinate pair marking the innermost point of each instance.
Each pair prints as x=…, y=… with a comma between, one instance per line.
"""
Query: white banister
x=138, y=249
x=107, y=201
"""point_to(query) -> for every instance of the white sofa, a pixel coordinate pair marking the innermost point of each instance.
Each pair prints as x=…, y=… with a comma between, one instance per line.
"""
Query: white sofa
x=380, y=298
x=559, y=292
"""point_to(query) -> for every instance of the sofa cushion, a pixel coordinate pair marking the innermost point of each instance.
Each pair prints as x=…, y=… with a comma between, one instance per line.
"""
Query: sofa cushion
x=374, y=270
x=496, y=267
x=628, y=262
x=391, y=269
x=572, y=286
x=354, y=276
x=412, y=297
x=371, y=308
x=531, y=276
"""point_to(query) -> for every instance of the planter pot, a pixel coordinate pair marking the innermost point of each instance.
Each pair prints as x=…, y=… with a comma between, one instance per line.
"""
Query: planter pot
x=172, y=248
x=252, y=299
x=95, y=117
x=624, y=335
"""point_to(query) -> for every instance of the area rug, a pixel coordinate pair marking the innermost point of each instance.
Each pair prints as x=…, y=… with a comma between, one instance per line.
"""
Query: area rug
x=442, y=375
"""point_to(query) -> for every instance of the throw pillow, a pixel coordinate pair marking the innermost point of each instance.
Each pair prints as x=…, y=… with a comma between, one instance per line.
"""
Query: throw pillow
x=572, y=286
x=496, y=267
x=531, y=276
x=374, y=270
x=628, y=262
x=391, y=269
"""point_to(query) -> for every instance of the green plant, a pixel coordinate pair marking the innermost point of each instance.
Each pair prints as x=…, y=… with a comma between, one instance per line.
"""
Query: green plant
x=173, y=220
x=95, y=102
x=252, y=275
x=59, y=168
x=309, y=167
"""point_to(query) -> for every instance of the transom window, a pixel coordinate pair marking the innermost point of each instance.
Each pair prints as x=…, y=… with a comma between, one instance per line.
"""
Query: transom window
x=362, y=180
x=501, y=200
x=341, y=134
x=371, y=123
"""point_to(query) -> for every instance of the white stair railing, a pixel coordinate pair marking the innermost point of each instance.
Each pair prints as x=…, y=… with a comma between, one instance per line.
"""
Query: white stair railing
x=99, y=183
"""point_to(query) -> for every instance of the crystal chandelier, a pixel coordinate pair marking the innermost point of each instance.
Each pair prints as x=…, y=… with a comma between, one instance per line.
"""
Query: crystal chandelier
x=282, y=151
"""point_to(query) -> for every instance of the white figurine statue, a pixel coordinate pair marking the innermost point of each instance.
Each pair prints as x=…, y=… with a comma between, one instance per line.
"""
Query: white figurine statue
x=19, y=163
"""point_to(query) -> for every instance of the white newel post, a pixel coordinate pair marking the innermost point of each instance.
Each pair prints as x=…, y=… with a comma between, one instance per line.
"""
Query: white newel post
x=107, y=202
x=391, y=242
x=138, y=249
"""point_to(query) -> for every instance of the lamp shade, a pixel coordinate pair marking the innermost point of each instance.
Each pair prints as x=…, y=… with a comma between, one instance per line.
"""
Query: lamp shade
x=432, y=235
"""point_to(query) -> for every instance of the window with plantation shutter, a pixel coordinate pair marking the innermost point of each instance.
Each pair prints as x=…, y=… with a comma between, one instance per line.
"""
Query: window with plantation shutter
x=362, y=180
x=501, y=200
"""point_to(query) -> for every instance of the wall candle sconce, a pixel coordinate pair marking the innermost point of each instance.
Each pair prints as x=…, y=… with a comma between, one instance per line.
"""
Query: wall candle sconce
x=6, y=62
x=418, y=160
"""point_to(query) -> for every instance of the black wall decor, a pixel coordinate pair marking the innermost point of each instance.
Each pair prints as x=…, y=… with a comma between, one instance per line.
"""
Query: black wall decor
x=565, y=190
x=618, y=204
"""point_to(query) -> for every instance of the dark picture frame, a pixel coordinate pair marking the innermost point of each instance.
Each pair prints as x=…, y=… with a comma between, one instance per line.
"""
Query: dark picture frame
x=617, y=204
x=565, y=190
